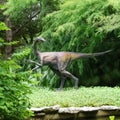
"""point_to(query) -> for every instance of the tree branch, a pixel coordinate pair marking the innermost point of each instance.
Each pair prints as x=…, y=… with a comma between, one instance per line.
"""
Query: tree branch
x=33, y=16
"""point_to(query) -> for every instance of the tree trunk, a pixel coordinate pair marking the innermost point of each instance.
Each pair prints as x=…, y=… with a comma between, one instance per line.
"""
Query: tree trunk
x=8, y=48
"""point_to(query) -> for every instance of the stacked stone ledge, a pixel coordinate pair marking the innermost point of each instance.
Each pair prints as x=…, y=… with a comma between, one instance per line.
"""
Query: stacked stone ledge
x=74, y=113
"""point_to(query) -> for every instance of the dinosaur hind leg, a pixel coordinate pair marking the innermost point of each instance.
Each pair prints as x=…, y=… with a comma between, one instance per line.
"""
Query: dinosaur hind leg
x=62, y=79
x=68, y=74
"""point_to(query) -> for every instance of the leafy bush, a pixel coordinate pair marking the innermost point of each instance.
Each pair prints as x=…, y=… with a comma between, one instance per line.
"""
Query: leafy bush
x=14, y=88
x=13, y=92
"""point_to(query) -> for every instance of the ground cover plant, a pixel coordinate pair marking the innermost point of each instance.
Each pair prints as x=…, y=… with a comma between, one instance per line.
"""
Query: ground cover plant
x=84, y=96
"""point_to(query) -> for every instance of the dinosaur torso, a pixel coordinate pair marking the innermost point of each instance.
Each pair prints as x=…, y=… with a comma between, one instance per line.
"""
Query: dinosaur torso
x=57, y=60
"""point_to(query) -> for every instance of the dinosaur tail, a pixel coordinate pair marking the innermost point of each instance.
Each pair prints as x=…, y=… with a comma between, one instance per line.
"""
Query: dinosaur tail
x=85, y=55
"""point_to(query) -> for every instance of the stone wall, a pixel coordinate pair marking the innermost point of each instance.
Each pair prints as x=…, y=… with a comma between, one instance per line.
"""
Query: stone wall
x=76, y=113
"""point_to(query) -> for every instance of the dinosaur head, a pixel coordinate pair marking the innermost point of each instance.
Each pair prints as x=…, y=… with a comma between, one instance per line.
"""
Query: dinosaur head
x=41, y=39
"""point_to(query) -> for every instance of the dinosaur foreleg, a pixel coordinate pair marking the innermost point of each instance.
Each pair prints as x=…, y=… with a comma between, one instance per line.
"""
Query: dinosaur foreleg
x=35, y=68
x=68, y=74
x=38, y=65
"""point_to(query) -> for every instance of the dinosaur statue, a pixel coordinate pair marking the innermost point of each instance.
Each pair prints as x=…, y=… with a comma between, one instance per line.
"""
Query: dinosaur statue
x=59, y=61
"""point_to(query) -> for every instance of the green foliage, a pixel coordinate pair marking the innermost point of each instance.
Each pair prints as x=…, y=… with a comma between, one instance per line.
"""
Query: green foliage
x=112, y=117
x=92, y=96
x=89, y=26
x=21, y=54
x=14, y=88
x=26, y=16
x=13, y=91
x=18, y=6
x=3, y=26
x=49, y=6
x=47, y=78
x=23, y=15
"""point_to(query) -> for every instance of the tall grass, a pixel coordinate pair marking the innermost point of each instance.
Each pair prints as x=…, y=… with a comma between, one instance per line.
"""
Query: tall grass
x=96, y=96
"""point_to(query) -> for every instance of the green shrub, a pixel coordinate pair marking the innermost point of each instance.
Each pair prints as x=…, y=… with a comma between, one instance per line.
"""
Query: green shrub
x=14, y=89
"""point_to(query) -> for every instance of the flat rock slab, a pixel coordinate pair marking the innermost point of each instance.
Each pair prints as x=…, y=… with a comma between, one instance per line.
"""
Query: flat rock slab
x=78, y=109
x=58, y=113
x=46, y=109
x=74, y=109
x=109, y=108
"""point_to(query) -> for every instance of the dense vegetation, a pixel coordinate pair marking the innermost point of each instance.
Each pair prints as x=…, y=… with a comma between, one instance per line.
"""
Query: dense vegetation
x=88, y=26
x=67, y=25
x=13, y=88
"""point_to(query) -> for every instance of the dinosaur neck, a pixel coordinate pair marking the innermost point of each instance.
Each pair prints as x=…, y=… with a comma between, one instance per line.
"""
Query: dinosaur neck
x=35, y=47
